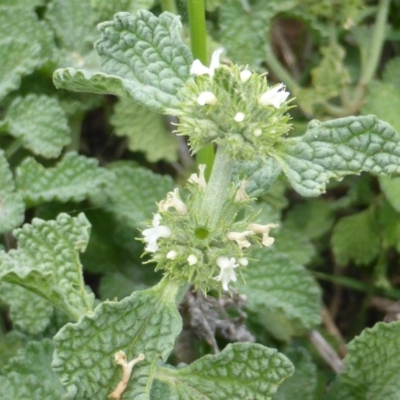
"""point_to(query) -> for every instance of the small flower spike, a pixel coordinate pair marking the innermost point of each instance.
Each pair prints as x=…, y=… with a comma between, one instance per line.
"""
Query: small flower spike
x=240, y=238
x=199, y=179
x=120, y=359
x=174, y=201
x=274, y=97
x=227, y=274
x=264, y=230
x=151, y=235
x=207, y=98
x=199, y=69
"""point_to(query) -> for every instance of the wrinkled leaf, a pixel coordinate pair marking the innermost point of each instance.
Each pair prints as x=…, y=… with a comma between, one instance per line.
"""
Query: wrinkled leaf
x=47, y=262
x=142, y=58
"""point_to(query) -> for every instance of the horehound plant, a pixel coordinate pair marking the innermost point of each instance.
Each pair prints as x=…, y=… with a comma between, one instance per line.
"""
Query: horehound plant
x=201, y=236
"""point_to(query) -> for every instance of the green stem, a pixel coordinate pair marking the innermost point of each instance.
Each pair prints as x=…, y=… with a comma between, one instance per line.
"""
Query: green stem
x=198, y=42
x=217, y=189
x=169, y=5
x=280, y=71
x=372, y=59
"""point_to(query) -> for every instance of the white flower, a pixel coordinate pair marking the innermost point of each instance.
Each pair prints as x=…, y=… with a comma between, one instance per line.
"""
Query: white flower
x=243, y=261
x=264, y=230
x=227, y=273
x=171, y=255
x=240, y=238
x=199, y=179
x=207, y=98
x=174, y=201
x=192, y=259
x=151, y=235
x=239, y=117
x=274, y=97
x=245, y=75
x=199, y=69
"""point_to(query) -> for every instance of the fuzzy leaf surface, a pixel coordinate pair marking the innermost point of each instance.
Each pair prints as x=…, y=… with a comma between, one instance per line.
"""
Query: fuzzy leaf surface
x=336, y=148
x=282, y=294
x=18, y=58
x=133, y=192
x=29, y=374
x=303, y=383
x=356, y=238
x=142, y=58
x=145, y=130
x=260, y=175
x=47, y=262
x=41, y=124
x=146, y=322
x=29, y=312
x=11, y=204
x=240, y=371
x=74, y=178
x=371, y=365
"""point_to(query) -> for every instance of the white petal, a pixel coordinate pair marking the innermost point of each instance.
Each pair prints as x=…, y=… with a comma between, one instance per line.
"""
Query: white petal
x=245, y=75
x=198, y=68
x=239, y=117
x=207, y=98
x=274, y=97
x=192, y=259
x=215, y=60
x=171, y=255
x=257, y=132
x=243, y=261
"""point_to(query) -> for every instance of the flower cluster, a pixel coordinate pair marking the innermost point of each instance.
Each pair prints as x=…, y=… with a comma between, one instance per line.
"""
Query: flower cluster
x=232, y=106
x=190, y=251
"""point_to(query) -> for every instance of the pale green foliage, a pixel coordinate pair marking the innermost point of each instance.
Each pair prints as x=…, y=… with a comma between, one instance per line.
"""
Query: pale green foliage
x=245, y=39
x=356, y=238
x=303, y=384
x=132, y=193
x=371, y=365
x=29, y=312
x=147, y=322
x=47, y=262
x=40, y=123
x=11, y=203
x=73, y=23
x=337, y=148
x=142, y=58
x=391, y=188
x=29, y=375
x=145, y=131
x=240, y=371
x=283, y=295
x=19, y=57
x=74, y=178
x=21, y=23
x=107, y=9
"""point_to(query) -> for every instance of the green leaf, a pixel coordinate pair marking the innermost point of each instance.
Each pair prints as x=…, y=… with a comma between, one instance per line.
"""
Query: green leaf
x=391, y=188
x=11, y=204
x=142, y=58
x=240, y=371
x=371, y=365
x=260, y=175
x=336, y=148
x=147, y=322
x=145, y=130
x=282, y=294
x=356, y=238
x=313, y=218
x=106, y=9
x=133, y=192
x=29, y=375
x=74, y=25
x=47, y=262
x=303, y=384
x=330, y=76
x=28, y=312
x=22, y=23
x=41, y=124
x=74, y=178
x=18, y=58
x=24, y=3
